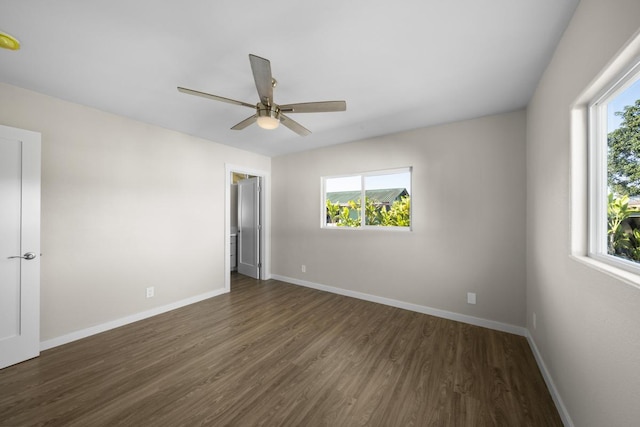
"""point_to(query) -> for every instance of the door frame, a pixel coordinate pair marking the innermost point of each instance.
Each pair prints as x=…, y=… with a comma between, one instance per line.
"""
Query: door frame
x=265, y=231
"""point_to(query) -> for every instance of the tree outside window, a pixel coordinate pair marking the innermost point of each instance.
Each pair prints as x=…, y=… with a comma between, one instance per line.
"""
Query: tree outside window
x=623, y=174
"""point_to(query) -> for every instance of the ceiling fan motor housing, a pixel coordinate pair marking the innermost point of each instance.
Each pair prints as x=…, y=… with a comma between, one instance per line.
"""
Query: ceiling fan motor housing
x=268, y=110
x=268, y=116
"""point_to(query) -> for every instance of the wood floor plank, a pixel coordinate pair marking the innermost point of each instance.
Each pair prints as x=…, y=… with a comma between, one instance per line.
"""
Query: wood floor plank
x=275, y=354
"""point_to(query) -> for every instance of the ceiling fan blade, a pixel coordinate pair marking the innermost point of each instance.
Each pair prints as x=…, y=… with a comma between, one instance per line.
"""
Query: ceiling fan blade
x=294, y=126
x=262, y=75
x=246, y=122
x=214, y=97
x=314, y=107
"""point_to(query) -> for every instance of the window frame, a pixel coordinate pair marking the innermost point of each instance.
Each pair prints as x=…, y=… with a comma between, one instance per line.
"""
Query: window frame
x=598, y=168
x=363, y=176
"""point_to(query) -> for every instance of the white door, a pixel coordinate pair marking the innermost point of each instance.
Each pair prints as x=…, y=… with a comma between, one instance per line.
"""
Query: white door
x=19, y=245
x=249, y=227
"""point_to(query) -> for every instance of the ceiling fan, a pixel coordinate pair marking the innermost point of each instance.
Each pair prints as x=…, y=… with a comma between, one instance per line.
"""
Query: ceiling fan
x=268, y=114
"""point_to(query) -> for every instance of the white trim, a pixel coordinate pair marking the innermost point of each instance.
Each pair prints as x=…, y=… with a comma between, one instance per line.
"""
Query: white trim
x=383, y=228
x=609, y=269
x=589, y=168
x=598, y=169
x=378, y=172
x=477, y=321
x=555, y=395
x=84, y=333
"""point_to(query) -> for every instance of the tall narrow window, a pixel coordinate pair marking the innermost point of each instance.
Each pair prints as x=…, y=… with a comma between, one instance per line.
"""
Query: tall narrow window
x=381, y=198
x=615, y=173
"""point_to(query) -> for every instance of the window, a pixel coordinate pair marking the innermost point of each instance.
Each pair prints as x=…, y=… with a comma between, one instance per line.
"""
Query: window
x=614, y=173
x=386, y=195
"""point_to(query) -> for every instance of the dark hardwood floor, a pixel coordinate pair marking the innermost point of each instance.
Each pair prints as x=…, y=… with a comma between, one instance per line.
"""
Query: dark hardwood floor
x=274, y=354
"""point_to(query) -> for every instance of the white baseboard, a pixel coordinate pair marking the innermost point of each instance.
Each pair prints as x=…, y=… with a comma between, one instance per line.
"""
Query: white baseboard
x=562, y=409
x=73, y=336
x=477, y=321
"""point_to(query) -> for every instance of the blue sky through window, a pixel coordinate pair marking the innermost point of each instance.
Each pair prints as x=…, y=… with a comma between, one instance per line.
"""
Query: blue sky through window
x=628, y=97
x=397, y=180
x=373, y=182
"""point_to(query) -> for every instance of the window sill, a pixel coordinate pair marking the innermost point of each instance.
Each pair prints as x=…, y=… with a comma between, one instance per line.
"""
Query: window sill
x=371, y=228
x=625, y=276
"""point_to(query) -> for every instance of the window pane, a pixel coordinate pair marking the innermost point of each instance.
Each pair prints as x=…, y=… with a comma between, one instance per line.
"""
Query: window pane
x=623, y=174
x=388, y=200
x=342, y=200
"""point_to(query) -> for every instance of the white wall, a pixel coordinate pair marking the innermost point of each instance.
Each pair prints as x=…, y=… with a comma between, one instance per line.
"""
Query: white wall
x=125, y=205
x=468, y=219
x=588, y=323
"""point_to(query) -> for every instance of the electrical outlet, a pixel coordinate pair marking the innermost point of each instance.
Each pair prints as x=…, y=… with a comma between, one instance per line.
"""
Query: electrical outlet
x=151, y=292
x=471, y=297
x=304, y=268
x=534, y=321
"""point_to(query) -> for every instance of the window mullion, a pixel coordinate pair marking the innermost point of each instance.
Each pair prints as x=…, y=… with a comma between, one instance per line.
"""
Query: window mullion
x=362, y=202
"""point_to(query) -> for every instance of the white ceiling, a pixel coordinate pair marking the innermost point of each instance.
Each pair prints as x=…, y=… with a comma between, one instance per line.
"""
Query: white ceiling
x=399, y=65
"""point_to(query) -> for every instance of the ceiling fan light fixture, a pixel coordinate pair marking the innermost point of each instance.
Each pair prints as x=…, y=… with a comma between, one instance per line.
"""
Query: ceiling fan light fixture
x=7, y=41
x=268, y=122
x=268, y=118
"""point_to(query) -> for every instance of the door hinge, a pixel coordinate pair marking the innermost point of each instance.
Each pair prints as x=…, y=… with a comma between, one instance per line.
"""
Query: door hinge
x=259, y=265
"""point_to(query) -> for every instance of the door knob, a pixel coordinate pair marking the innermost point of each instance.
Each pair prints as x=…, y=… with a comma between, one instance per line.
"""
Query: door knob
x=27, y=256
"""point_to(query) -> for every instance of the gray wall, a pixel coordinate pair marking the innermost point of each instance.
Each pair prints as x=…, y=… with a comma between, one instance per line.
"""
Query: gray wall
x=588, y=323
x=468, y=219
x=233, y=207
x=125, y=205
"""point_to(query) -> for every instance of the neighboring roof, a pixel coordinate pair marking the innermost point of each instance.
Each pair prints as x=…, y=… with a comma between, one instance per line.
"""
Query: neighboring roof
x=383, y=196
x=634, y=202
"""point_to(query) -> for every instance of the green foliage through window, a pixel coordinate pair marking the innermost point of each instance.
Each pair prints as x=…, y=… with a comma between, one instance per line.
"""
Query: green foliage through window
x=623, y=235
x=387, y=196
x=623, y=180
x=376, y=213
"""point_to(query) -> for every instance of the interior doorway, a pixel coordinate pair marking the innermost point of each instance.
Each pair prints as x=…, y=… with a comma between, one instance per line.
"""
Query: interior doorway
x=20, y=158
x=246, y=223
